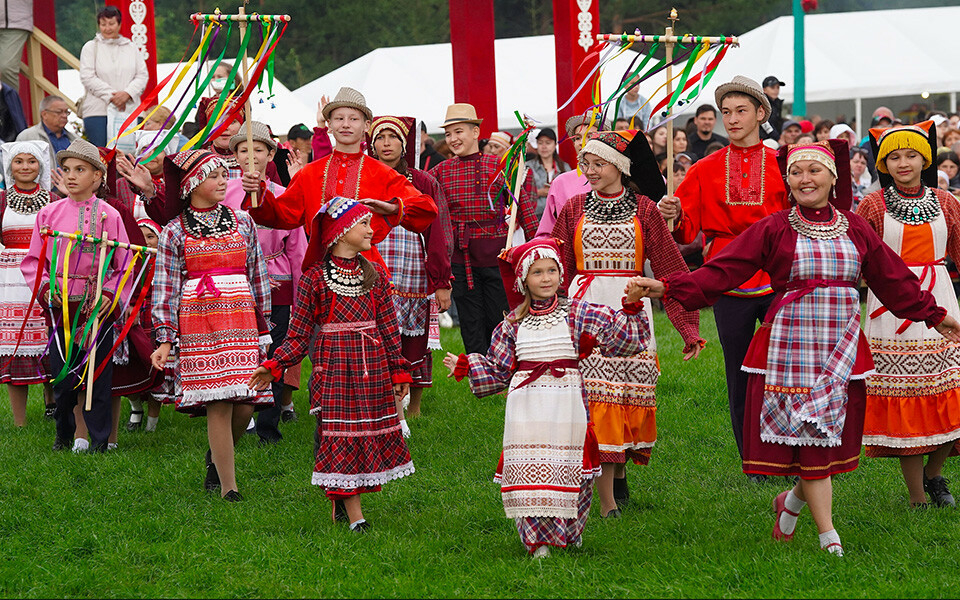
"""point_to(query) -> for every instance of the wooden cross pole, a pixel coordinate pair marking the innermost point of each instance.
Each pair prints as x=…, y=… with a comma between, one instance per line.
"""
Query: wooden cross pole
x=95, y=331
x=669, y=40
x=518, y=182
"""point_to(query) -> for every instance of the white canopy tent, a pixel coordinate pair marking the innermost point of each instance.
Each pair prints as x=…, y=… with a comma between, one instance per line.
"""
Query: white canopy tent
x=850, y=57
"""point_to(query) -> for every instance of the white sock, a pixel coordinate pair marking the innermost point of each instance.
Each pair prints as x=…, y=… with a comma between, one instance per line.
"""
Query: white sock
x=357, y=523
x=404, y=428
x=788, y=522
x=80, y=445
x=405, y=402
x=252, y=425
x=111, y=445
x=830, y=541
x=152, y=423
x=287, y=406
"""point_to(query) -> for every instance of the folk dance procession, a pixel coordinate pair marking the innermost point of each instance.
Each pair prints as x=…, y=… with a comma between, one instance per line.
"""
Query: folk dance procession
x=193, y=272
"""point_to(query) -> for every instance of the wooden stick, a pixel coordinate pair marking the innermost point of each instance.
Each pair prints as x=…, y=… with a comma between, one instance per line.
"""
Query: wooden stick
x=242, y=17
x=248, y=116
x=92, y=357
x=96, y=240
x=512, y=225
x=669, y=46
x=669, y=39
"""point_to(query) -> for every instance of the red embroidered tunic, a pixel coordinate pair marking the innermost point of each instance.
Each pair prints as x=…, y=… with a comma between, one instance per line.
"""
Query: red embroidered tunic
x=726, y=192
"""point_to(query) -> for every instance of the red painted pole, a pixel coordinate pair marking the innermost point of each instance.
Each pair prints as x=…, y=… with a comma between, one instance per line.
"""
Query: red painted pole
x=45, y=20
x=474, y=68
x=138, y=25
x=576, y=24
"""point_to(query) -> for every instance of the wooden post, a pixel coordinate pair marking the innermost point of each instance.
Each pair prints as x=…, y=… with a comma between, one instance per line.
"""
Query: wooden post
x=95, y=331
x=36, y=73
x=248, y=112
x=669, y=46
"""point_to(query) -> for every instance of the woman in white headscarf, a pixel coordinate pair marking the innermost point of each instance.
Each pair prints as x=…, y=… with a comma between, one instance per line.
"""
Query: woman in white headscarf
x=26, y=173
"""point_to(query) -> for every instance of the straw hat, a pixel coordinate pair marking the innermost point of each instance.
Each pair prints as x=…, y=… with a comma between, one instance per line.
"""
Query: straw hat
x=461, y=112
x=83, y=150
x=350, y=98
x=261, y=133
x=745, y=85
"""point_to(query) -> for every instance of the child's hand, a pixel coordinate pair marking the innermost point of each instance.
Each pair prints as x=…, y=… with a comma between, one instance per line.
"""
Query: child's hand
x=260, y=380
x=159, y=356
x=450, y=362
x=649, y=288
x=400, y=390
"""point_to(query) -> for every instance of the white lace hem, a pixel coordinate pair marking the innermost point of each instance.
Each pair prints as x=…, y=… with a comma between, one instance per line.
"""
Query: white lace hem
x=800, y=441
x=241, y=391
x=914, y=442
x=7, y=352
x=349, y=481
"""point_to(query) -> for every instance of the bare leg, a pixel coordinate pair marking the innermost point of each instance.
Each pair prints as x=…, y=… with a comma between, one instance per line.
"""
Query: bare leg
x=416, y=394
x=818, y=494
x=352, y=504
x=115, y=405
x=18, y=403
x=286, y=396
x=220, y=434
x=605, y=488
x=936, y=459
x=912, y=468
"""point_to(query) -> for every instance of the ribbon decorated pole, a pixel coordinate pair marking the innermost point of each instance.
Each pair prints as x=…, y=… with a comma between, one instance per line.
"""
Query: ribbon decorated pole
x=92, y=356
x=514, y=172
x=689, y=56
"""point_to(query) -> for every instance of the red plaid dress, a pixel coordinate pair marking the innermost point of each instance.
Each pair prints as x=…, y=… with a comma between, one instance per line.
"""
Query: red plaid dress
x=356, y=360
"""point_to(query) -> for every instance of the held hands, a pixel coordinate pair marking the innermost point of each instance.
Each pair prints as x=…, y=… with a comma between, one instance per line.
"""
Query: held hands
x=669, y=207
x=950, y=329
x=635, y=293
x=651, y=287
x=251, y=181
x=159, y=356
x=400, y=390
x=443, y=298
x=450, y=362
x=260, y=380
x=380, y=207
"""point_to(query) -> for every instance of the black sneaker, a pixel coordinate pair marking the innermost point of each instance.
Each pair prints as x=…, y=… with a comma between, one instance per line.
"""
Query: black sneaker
x=59, y=444
x=233, y=496
x=621, y=493
x=212, y=482
x=48, y=412
x=361, y=527
x=339, y=512
x=938, y=491
x=288, y=416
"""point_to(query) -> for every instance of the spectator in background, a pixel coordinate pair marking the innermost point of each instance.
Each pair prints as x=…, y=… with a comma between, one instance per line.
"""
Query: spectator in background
x=954, y=120
x=679, y=142
x=679, y=172
x=951, y=137
x=545, y=166
x=16, y=23
x=949, y=163
x=571, y=183
x=634, y=108
x=842, y=131
x=443, y=149
x=940, y=120
x=621, y=124
x=858, y=173
x=684, y=159
x=943, y=181
x=789, y=133
x=822, y=129
x=705, y=120
x=113, y=74
x=771, y=88
x=805, y=138
x=659, y=138
x=498, y=144
x=159, y=120
x=429, y=157
x=52, y=127
x=713, y=147
x=219, y=82
x=300, y=140
x=882, y=117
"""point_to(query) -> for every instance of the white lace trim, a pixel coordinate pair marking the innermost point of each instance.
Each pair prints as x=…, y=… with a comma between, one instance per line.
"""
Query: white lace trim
x=800, y=441
x=240, y=391
x=914, y=442
x=349, y=481
x=7, y=352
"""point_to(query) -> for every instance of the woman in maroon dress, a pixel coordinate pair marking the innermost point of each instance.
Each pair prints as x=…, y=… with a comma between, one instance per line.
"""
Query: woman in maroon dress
x=808, y=361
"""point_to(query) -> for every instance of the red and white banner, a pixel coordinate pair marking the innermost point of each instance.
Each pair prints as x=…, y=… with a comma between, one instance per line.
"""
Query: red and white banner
x=576, y=24
x=138, y=25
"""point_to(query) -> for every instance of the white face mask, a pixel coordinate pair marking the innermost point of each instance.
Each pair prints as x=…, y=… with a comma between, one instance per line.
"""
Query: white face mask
x=217, y=85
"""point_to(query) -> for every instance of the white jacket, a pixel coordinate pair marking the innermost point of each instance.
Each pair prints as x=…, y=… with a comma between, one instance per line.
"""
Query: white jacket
x=119, y=67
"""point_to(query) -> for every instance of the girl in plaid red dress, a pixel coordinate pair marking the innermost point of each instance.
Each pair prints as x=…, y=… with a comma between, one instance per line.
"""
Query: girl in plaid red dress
x=358, y=368
x=550, y=453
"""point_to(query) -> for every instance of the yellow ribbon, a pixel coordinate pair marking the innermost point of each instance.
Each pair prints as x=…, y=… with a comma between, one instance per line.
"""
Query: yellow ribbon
x=123, y=280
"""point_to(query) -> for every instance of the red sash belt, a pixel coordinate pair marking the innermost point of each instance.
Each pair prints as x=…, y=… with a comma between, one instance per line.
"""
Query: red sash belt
x=798, y=288
x=538, y=369
x=206, y=284
x=585, y=278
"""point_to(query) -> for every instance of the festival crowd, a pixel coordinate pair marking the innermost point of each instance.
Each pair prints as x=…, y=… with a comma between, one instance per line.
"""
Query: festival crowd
x=203, y=278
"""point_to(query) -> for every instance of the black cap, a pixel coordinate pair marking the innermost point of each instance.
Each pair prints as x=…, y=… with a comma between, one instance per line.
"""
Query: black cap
x=772, y=80
x=548, y=133
x=299, y=132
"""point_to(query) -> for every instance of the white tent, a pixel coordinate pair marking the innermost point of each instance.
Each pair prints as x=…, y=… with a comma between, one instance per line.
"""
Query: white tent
x=849, y=57
x=281, y=112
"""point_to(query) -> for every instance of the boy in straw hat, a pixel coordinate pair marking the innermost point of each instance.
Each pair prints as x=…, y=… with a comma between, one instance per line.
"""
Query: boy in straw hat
x=347, y=172
x=283, y=250
x=470, y=184
x=721, y=195
x=84, y=211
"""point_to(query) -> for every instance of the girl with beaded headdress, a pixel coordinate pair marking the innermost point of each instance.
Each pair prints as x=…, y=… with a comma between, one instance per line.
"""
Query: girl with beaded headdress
x=550, y=454
x=358, y=369
x=808, y=361
x=913, y=400
x=211, y=297
x=26, y=172
x=608, y=234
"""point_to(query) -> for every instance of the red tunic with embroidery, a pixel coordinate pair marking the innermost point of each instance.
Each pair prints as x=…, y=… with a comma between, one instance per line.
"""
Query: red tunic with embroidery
x=726, y=192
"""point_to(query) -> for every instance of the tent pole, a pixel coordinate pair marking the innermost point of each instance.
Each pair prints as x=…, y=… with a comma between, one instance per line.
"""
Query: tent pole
x=953, y=102
x=858, y=114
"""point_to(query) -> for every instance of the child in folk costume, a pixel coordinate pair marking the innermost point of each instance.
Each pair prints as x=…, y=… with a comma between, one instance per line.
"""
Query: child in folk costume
x=419, y=264
x=283, y=251
x=23, y=328
x=85, y=212
x=358, y=369
x=913, y=399
x=211, y=296
x=550, y=453
x=608, y=233
x=808, y=361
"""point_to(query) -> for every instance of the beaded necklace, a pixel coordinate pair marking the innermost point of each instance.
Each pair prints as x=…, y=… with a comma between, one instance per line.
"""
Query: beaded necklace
x=547, y=317
x=818, y=230
x=739, y=201
x=27, y=203
x=217, y=222
x=610, y=210
x=344, y=280
x=326, y=173
x=911, y=210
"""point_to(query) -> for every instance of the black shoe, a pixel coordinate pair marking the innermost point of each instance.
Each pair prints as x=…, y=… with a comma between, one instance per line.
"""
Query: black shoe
x=339, y=512
x=48, y=412
x=269, y=441
x=59, y=444
x=288, y=416
x=212, y=482
x=361, y=527
x=754, y=478
x=131, y=426
x=939, y=492
x=233, y=496
x=613, y=514
x=621, y=493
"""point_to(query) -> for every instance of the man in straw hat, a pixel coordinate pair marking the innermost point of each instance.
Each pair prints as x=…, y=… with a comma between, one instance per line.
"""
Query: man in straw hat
x=347, y=172
x=721, y=195
x=477, y=209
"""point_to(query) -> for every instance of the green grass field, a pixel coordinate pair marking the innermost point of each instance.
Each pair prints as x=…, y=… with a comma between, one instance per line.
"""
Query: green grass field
x=137, y=523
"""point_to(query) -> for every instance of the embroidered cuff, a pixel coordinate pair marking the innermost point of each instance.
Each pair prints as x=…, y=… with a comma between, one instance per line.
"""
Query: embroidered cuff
x=401, y=377
x=666, y=289
x=631, y=308
x=941, y=314
x=274, y=368
x=462, y=369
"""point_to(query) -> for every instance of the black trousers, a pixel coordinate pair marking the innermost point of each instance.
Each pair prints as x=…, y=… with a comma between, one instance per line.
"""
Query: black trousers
x=737, y=319
x=268, y=419
x=99, y=418
x=481, y=309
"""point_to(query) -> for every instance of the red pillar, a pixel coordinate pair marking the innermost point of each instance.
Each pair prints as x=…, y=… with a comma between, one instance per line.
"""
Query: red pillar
x=45, y=20
x=474, y=68
x=576, y=24
x=138, y=25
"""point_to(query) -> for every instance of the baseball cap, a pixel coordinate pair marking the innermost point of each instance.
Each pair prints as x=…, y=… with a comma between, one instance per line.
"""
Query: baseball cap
x=547, y=133
x=772, y=80
x=791, y=123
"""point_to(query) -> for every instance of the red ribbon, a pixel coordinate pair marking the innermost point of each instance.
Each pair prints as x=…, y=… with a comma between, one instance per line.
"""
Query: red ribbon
x=928, y=267
x=538, y=369
x=33, y=298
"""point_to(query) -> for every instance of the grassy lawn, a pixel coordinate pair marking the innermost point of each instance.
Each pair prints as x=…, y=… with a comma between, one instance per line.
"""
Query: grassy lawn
x=137, y=523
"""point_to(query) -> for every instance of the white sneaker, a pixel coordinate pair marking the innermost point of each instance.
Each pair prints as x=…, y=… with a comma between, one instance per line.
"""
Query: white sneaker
x=111, y=445
x=80, y=445
x=445, y=320
x=404, y=429
x=541, y=552
x=405, y=402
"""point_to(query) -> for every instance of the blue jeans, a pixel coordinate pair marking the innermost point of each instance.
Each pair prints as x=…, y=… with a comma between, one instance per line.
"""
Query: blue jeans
x=95, y=130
